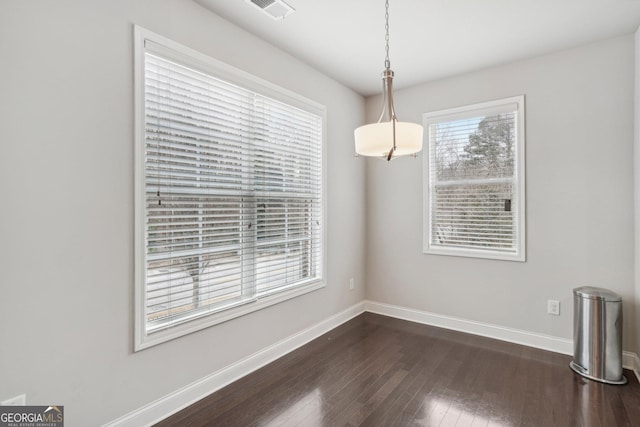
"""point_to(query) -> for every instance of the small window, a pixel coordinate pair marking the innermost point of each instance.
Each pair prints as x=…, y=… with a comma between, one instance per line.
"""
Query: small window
x=474, y=181
x=229, y=192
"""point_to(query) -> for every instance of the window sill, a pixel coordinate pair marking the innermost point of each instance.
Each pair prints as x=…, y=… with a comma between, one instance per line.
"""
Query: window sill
x=146, y=340
x=474, y=253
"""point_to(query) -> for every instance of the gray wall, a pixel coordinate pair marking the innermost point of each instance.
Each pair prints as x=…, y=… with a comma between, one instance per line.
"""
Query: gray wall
x=66, y=185
x=636, y=181
x=579, y=165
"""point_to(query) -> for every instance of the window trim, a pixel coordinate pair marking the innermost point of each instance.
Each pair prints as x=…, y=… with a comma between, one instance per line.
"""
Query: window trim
x=468, y=111
x=197, y=60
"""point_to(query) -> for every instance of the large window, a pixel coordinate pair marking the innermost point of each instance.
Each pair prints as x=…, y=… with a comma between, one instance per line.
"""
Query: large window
x=474, y=181
x=229, y=197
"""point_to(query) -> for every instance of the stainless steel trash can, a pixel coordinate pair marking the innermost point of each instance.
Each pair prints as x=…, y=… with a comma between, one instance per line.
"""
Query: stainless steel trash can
x=597, y=335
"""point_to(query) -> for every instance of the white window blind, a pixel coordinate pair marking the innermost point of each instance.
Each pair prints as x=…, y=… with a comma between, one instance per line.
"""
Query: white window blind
x=232, y=196
x=474, y=180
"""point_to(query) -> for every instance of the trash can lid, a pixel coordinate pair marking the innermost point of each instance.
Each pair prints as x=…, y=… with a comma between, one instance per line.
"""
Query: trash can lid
x=592, y=292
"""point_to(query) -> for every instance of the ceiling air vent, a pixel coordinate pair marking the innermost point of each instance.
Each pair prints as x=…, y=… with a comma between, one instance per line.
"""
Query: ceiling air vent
x=276, y=9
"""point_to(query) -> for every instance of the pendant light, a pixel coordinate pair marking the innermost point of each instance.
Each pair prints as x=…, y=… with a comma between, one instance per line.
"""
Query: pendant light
x=388, y=138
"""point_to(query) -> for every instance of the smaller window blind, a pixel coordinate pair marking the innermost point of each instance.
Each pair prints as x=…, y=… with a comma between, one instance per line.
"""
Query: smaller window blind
x=233, y=195
x=474, y=192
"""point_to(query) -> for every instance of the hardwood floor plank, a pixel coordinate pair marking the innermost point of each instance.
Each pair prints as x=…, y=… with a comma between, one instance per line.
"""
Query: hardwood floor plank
x=388, y=409
x=379, y=371
x=377, y=398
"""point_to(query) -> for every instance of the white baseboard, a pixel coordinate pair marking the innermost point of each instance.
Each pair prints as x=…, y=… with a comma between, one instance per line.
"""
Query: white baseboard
x=180, y=399
x=531, y=339
x=630, y=360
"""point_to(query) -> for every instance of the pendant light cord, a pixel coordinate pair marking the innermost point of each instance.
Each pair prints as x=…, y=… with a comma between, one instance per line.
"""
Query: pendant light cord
x=387, y=63
x=387, y=66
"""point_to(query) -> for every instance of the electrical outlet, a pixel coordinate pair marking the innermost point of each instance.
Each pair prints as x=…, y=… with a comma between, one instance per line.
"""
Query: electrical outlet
x=15, y=401
x=553, y=307
x=351, y=284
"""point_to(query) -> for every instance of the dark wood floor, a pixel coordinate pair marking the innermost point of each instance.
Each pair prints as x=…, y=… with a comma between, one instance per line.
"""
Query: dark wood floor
x=379, y=371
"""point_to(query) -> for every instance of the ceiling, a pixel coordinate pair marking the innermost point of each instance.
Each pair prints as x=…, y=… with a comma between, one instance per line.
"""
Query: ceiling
x=429, y=39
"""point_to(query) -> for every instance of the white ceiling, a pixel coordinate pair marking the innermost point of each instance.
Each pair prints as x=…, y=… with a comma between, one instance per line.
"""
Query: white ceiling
x=429, y=39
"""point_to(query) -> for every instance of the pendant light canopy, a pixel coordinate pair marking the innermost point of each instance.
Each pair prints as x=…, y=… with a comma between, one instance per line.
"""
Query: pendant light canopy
x=388, y=138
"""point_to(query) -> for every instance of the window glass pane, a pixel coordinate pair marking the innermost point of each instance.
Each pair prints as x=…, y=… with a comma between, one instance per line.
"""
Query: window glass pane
x=286, y=252
x=475, y=148
x=193, y=261
x=474, y=215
